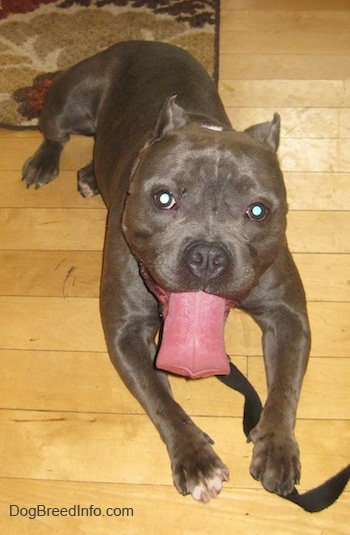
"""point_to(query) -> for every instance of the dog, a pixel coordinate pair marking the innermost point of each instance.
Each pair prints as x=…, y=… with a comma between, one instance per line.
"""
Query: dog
x=196, y=225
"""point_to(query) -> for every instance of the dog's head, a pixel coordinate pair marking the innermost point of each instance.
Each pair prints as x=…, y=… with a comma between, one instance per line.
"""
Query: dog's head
x=205, y=216
x=206, y=208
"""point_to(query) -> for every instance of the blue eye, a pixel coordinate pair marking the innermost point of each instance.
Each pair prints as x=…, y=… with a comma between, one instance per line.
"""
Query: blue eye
x=257, y=212
x=164, y=200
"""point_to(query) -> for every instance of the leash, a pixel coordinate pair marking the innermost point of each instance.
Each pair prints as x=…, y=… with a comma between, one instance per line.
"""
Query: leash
x=313, y=500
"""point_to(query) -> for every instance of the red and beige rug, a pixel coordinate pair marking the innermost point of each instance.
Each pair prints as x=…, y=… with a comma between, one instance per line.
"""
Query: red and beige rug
x=39, y=38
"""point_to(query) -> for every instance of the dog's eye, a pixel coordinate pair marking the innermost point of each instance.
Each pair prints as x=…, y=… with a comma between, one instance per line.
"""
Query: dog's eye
x=257, y=212
x=164, y=200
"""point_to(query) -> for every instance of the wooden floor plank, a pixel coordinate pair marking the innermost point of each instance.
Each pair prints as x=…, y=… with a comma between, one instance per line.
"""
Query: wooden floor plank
x=285, y=93
x=82, y=381
x=50, y=273
x=72, y=229
x=248, y=510
x=329, y=325
x=325, y=388
x=280, y=20
x=73, y=324
x=71, y=446
x=62, y=192
x=77, y=274
x=79, y=155
x=285, y=42
x=327, y=232
x=52, y=229
x=320, y=155
x=76, y=381
x=284, y=5
x=296, y=122
x=323, y=276
x=332, y=190
x=271, y=66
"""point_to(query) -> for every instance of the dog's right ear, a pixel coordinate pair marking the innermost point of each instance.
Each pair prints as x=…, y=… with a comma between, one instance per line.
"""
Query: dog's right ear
x=172, y=117
x=267, y=133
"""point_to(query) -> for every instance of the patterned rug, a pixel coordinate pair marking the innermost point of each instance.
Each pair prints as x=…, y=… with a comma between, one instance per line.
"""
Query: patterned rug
x=39, y=38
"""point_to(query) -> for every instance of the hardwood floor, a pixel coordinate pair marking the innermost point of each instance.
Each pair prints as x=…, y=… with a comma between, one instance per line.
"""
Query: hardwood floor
x=71, y=434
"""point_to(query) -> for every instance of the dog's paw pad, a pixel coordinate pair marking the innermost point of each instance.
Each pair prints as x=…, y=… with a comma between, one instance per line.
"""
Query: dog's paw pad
x=209, y=488
x=85, y=190
x=87, y=184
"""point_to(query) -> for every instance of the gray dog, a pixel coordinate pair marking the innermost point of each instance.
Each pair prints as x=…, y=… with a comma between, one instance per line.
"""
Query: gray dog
x=196, y=226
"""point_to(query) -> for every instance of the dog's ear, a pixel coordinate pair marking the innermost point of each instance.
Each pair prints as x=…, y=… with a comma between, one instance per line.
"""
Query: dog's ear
x=267, y=133
x=172, y=117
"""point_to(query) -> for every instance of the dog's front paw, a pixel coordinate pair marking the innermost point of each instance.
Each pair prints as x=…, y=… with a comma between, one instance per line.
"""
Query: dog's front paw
x=43, y=166
x=275, y=461
x=197, y=470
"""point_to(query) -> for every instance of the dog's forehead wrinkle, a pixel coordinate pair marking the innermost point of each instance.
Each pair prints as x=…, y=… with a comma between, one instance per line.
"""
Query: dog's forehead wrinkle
x=225, y=164
x=194, y=228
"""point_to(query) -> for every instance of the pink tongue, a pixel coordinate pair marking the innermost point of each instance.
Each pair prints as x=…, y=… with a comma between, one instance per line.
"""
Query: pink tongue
x=193, y=336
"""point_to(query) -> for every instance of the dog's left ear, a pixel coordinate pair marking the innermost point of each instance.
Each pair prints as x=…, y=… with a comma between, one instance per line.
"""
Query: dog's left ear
x=172, y=117
x=267, y=133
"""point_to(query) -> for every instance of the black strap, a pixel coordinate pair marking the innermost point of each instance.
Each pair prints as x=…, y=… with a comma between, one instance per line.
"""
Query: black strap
x=312, y=501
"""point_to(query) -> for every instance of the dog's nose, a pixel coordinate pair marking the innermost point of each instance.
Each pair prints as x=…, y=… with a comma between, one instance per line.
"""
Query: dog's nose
x=207, y=260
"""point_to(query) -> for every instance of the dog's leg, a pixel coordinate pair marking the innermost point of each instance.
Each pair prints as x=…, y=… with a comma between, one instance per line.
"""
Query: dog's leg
x=130, y=318
x=286, y=343
x=67, y=110
x=196, y=468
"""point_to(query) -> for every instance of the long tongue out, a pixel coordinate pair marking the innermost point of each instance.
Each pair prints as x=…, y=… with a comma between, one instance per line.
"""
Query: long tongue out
x=193, y=336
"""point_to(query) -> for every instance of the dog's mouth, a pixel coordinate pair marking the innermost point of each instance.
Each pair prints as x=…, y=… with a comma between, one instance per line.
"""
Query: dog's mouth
x=192, y=340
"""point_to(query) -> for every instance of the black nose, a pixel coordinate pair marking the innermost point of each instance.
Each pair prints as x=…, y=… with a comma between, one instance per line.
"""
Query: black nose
x=207, y=260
